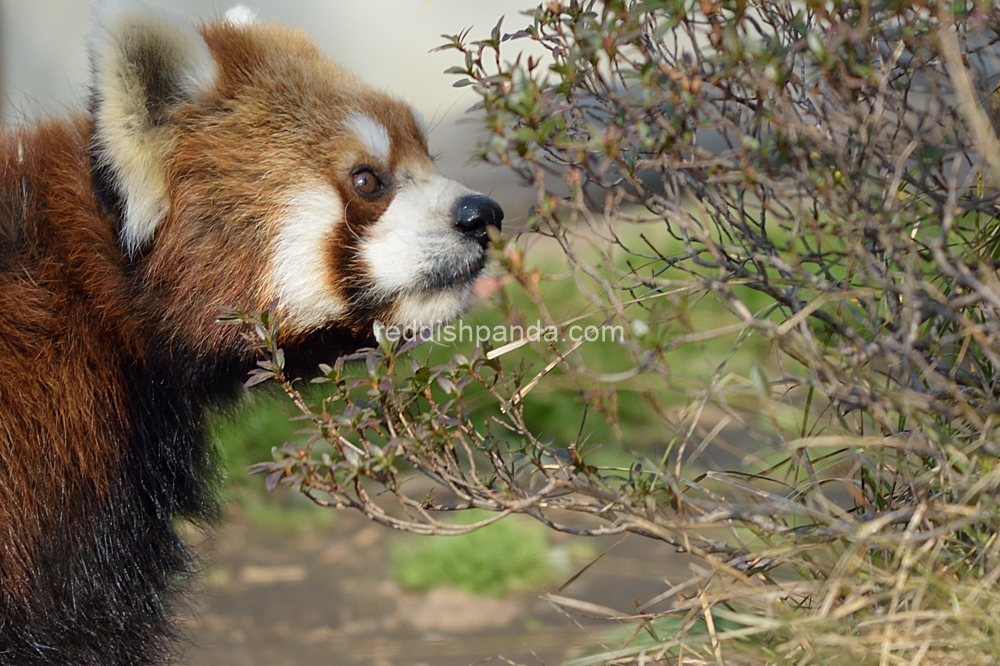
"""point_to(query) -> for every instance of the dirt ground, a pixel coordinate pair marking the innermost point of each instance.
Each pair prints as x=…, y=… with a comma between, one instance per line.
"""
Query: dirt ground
x=325, y=595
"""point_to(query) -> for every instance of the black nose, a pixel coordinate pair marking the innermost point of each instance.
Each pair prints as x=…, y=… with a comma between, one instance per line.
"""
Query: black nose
x=476, y=212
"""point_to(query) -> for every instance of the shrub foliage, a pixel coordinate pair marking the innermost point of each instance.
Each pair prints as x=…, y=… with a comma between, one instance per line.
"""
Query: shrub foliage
x=815, y=182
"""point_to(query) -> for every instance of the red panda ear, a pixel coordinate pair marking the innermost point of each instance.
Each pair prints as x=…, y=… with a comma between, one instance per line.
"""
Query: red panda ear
x=145, y=65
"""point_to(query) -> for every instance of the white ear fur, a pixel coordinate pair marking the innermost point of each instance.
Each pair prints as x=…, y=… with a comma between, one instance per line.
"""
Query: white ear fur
x=145, y=64
x=240, y=15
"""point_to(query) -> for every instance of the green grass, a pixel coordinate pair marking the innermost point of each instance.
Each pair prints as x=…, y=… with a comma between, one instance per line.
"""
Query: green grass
x=246, y=434
x=512, y=554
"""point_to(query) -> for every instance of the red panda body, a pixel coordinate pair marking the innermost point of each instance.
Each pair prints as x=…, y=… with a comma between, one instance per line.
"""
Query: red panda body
x=228, y=165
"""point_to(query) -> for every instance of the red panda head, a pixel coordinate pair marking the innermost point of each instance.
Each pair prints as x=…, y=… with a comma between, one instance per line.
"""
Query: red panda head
x=244, y=166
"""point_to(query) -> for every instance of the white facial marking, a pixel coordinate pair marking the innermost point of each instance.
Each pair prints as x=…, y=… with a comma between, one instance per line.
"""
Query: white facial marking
x=426, y=310
x=240, y=15
x=373, y=133
x=421, y=121
x=415, y=229
x=300, y=267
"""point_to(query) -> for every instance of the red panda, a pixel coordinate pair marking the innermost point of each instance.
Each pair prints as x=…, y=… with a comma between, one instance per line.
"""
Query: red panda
x=226, y=164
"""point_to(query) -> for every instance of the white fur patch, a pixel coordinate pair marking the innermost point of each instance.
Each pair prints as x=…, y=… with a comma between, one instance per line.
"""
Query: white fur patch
x=240, y=15
x=415, y=230
x=421, y=121
x=427, y=310
x=300, y=263
x=373, y=133
x=131, y=144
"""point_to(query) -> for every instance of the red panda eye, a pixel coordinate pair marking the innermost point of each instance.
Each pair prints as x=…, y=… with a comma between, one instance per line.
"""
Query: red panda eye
x=366, y=183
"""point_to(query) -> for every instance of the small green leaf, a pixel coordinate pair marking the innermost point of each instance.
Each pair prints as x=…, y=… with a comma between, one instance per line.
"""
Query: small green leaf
x=761, y=383
x=446, y=385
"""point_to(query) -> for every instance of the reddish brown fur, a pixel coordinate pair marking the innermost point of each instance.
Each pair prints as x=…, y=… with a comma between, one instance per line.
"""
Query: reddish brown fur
x=58, y=380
